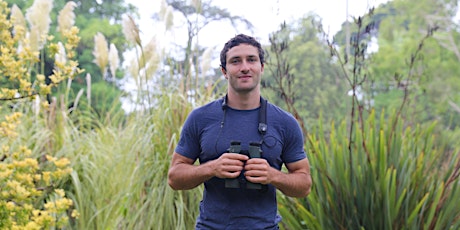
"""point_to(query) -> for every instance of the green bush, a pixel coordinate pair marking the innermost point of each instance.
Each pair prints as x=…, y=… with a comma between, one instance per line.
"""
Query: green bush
x=391, y=176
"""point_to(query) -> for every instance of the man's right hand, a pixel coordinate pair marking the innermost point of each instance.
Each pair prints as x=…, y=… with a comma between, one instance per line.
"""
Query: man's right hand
x=183, y=174
x=229, y=165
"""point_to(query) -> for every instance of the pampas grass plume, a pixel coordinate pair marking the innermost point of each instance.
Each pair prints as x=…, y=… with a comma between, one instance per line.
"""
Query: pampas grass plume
x=66, y=17
x=101, y=52
x=114, y=60
x=131, y=30
x=38, y=16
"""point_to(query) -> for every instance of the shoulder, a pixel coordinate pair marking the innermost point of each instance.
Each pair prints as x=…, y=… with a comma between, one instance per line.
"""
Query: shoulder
x=210, y=108
x=205, y=114
x=282, y=120
x=279, y=114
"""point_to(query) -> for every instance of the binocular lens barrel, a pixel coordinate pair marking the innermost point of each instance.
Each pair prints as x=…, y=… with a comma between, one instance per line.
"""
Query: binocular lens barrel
x=254, y=152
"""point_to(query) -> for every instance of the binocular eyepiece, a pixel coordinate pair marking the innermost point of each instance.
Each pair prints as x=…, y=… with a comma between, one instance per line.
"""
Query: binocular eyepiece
x=254, y=151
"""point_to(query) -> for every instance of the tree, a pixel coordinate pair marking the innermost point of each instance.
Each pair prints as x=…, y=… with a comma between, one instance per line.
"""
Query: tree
x=433, y=80
x=196, y=16
x=302, y=73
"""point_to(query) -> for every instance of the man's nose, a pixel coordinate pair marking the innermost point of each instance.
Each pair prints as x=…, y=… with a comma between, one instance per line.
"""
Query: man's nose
x=244, y=66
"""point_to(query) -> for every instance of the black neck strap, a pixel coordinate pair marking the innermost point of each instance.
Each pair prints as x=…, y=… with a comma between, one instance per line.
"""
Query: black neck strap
x=262, y=113
x=263, y=116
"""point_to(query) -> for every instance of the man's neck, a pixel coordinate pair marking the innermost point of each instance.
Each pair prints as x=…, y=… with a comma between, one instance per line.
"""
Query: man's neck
x=243, y=101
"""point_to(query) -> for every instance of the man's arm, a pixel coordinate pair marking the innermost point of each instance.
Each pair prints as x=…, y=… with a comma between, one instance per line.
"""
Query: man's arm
x=183, y=174
x=296, y=183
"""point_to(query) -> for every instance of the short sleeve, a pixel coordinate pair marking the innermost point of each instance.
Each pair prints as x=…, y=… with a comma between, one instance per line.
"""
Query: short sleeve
x=189, y=144
x=293, y=149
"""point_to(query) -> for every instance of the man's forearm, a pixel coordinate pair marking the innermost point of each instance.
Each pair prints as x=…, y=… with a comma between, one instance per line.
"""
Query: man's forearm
x=184, y=176
x=296, y=184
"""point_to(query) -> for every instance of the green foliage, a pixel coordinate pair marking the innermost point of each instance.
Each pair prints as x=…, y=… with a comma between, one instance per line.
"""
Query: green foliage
x=91, y=17
x=31, y=194
x=301, y=74
x=400, y=171
x=107, y=99
x=120, y=172
x=392, y=172
x=391, y=177
x=432, y=79
x=90, y=26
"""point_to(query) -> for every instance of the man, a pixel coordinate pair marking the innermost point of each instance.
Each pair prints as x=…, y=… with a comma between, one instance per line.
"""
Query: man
x=239, y=190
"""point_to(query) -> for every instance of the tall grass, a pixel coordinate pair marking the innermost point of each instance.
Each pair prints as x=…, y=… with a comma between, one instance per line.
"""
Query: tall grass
x=395, y=178
x=120, y=177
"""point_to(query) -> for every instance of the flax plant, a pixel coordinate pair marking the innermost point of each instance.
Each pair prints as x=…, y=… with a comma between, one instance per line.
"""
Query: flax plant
x=377, y=171
x=408, y=183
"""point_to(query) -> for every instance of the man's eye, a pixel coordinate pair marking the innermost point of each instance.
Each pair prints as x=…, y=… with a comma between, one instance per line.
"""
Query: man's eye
x=252, y=60
x=235, y=61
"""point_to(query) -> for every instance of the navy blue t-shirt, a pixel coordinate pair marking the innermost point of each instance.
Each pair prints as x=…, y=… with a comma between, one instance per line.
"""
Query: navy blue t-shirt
x=204, y=138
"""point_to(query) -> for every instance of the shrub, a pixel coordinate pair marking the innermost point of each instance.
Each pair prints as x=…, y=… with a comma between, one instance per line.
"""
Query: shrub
x=30, y=195
x=389, y=178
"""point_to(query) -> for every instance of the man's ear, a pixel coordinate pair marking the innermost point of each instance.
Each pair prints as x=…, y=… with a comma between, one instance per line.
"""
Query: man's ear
x=223, y=71
x=262, y=68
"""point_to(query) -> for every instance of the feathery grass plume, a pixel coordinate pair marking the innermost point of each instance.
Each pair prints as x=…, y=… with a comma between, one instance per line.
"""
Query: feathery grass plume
x=133, y=70
x=19, y=22
x=166, y=14
x=169, y=18
x=101, y=53
x=206, y=60
x=163, y=8
x=197, y=4
x=38, y=16
x=114, y=60
x=131, y=30
x=66, y=17
x=60, y=55
x=150, y=59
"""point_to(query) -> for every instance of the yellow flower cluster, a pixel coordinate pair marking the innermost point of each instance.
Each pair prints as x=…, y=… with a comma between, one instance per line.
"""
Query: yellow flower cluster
x=19, y=53
x=23, y=181
x=8, y=127
x=29, y=195
x=53, y=214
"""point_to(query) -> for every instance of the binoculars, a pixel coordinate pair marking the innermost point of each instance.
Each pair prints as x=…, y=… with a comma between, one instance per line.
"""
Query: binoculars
x=254, y=152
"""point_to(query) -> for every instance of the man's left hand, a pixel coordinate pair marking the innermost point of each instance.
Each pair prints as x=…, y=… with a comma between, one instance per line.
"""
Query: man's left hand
x=258, y=171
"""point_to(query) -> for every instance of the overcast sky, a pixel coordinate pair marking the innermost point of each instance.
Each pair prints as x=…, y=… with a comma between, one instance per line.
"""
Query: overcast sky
x=265, y=15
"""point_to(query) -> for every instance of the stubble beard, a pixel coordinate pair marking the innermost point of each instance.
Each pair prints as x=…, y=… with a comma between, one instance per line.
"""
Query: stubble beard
x=243, y=88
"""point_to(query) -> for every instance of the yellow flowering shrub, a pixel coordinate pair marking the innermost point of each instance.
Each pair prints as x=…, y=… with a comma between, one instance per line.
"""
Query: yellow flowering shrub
x=30, y=197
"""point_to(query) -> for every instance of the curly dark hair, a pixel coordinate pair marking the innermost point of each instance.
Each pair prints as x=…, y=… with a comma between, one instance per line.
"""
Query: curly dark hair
x=237, y=40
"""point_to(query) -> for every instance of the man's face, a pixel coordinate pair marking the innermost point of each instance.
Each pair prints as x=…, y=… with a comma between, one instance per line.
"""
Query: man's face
x=244, y=69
